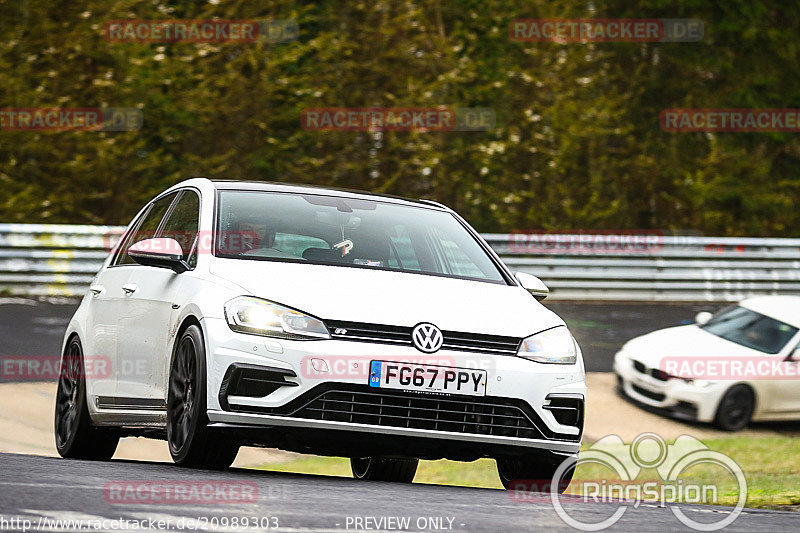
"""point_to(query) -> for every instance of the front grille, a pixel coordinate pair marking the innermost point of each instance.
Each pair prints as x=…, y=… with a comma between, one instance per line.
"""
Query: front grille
x=401, y=335
x=362, y=404
x=660, y=374
x=657, y=396
x=655, y=372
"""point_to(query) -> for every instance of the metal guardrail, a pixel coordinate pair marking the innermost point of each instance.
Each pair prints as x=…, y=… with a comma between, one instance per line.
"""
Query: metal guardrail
x=52, y=259
x=61, y=260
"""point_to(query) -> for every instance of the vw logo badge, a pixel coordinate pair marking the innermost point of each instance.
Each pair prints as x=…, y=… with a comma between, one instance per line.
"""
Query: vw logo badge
x=427, y=337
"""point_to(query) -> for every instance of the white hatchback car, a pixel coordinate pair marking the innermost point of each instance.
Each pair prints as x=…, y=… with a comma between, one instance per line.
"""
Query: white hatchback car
x=322, y=321
x=738, y=365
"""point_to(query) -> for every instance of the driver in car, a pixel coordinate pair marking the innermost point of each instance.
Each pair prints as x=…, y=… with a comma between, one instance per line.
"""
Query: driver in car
x=255, y=234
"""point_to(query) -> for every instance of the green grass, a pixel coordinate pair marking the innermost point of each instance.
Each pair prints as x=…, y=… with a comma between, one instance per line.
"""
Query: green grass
x=771, y=466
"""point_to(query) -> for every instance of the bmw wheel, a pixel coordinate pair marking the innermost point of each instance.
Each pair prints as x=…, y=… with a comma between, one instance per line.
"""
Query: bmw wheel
x=735, y=409
x=384, y=469
x=190, y=441
x=75, y=435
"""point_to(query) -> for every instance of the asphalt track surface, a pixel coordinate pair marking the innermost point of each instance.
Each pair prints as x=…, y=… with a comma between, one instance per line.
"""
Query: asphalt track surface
x=36, y=327
x=42, y=490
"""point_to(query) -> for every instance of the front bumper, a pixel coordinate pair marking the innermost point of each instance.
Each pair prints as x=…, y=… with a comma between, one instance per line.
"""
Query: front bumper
x=518, y=413
x=673, y=396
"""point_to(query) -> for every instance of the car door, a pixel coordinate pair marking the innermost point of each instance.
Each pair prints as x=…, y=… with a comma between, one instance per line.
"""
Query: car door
x=784, y=390
x=147, y=313
x=103, y=330
x=108, y=298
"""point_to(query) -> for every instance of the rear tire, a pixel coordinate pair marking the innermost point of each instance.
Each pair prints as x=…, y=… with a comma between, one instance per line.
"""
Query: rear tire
x=76, y=437
x=384, y=469
x=535, y=471
x=735, y=409
x=191, y=443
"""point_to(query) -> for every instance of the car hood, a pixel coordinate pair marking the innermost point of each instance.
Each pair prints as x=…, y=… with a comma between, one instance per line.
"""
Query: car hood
x=391, y=298
x=680, y=342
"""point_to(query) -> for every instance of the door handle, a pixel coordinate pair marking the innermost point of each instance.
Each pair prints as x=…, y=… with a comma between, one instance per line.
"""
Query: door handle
x=97, y=289
x=130, y=288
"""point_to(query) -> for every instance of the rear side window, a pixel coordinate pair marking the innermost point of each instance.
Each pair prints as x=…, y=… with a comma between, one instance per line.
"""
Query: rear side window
x=183, y=224
x=147, y=229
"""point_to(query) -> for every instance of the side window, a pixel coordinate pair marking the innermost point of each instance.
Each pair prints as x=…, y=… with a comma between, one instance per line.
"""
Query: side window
x=147, y=229
x=119, y=249
x=183, y=224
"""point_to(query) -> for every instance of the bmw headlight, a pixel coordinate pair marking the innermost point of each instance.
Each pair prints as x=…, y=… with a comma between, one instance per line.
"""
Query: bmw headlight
x=247, y=314
x=554, y=345
x=702, y=383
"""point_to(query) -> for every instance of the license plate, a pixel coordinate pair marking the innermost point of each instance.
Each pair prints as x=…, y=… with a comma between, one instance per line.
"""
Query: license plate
x=410, y=376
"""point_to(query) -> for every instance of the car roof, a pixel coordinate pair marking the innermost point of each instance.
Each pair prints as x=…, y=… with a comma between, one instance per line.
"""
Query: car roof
x=268, y=186
x=783, y=308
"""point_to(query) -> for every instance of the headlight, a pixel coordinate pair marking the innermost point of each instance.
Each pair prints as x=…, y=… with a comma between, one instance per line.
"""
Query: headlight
x=260, y=317
x=555, y=345
x=702, y=383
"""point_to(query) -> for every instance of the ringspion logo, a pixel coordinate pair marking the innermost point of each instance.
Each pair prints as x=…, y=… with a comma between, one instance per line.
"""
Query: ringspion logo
x=620, y=485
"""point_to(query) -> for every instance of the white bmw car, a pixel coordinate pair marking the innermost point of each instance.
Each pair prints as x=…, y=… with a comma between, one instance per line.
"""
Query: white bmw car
x=741, y=364
x=321, y=321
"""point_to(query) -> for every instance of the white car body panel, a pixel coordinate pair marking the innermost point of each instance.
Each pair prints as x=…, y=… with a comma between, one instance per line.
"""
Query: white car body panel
x=362, y=295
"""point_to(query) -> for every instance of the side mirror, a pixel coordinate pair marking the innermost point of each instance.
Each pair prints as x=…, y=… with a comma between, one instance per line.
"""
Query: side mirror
x=533, y=285
x=161, y=253
x=702, y=317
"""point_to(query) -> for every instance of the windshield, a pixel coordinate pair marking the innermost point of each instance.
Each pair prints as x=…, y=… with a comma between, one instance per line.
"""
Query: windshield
x=349, y=232
x=751, y=329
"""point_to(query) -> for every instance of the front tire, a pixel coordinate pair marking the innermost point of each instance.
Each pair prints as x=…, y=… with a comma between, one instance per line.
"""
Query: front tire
x=76, y=437
x=190, y=441
x=384, y=469
x=735, y=409
x=534, y=470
